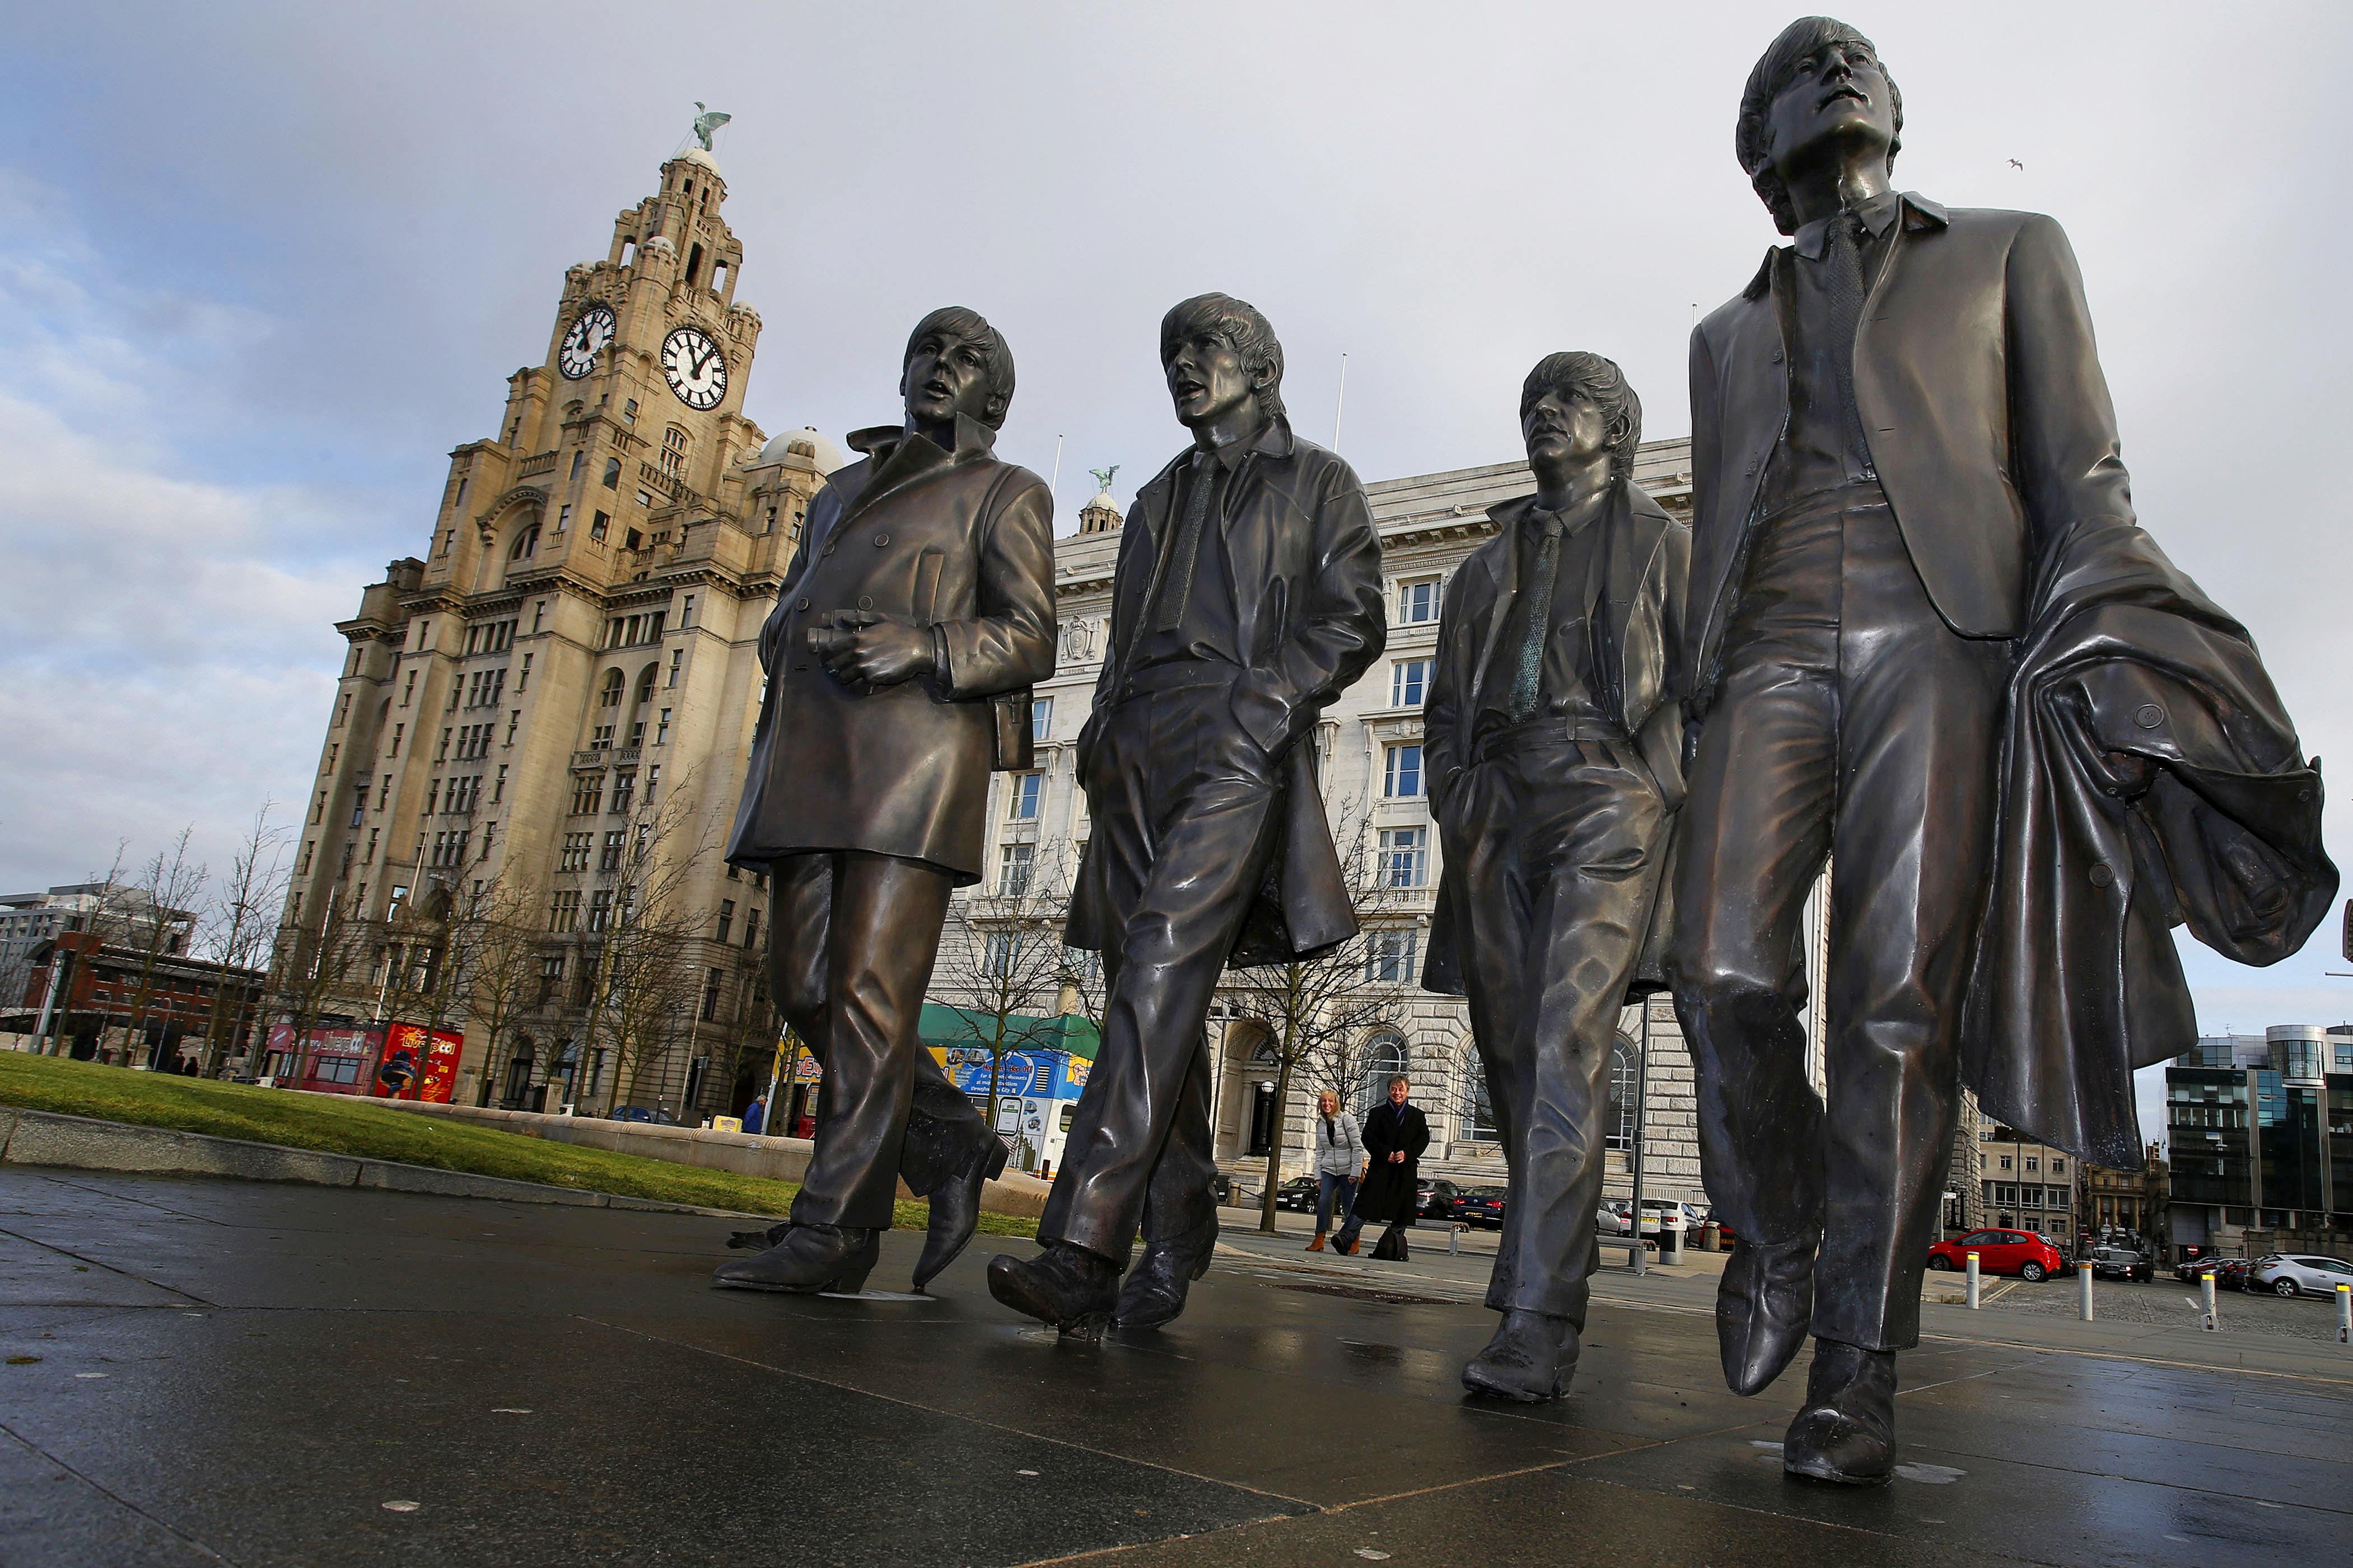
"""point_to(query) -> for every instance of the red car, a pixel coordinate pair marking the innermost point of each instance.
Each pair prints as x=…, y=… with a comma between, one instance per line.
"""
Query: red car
x=2018, y=1252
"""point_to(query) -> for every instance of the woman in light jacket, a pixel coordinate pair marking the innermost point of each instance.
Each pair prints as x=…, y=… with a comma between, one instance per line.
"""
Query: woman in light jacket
x=1339, y=1155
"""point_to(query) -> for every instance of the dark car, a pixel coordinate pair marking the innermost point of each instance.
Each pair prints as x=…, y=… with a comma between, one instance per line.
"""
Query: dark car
x=1433, y=1193
x=2120, y=1263
x=650, y=1113
x=1476, y=1206
x=2230, y=1273
x=1299, y=1193
x=2189, y=1270
x=2019, y=1252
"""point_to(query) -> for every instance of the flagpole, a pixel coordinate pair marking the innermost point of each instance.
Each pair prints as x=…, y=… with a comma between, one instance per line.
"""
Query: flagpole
x=1341, y=402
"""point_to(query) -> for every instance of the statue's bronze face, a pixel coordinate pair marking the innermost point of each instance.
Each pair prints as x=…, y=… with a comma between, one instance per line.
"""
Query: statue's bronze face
x=1837, y=98
x=1565, y=428
x=1208, y=382
x=947, y=375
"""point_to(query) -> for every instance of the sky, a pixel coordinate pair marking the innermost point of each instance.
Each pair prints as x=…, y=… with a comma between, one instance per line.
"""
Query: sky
x=262, y=267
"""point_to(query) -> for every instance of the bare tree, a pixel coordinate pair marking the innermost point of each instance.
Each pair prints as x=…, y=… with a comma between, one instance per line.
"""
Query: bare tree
x=1002, y=964
x=168, y=884
x=102, y=923
x=311, y=966
x=238, y=934
x=1315, y=1013
x=644, y=931
x=502, y=981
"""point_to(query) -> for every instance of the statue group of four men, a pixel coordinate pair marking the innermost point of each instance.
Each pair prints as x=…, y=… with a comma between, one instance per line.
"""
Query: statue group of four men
x=1912, y=631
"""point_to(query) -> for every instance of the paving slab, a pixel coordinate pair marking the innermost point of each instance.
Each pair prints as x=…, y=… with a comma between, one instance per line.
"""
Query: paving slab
x=204, y=1369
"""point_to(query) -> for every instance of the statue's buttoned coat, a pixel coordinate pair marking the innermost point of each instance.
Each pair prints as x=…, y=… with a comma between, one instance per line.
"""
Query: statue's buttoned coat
x=959, y=543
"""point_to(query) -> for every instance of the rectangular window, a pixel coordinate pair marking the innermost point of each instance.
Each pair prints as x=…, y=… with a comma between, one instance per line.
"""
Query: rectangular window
x=332, y=749
x=653, y=784
x=564, y=514
x=343, y=709
x=726, y=918
x=710, y=985
x=587, y=794
x=676, y=654
x=661, y=731
x=563, y=914
x=1022, y=798
x=523, y=677
x=1418, y=601
x=1013, y=865
x=441, y=752
x=600, y=908
x=751, y=927
x=1408, y=680
x=610, y=860
x=1389, y=956
x=686, y=612
x=1042, y=720
x=1404, y=857
x=625, y=784
x=1401, y=778
x=597, y=525
x=575, y=852
x=499, y=784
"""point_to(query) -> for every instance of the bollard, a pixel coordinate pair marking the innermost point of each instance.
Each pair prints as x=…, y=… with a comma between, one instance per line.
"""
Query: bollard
x=1454, y=1239
x=2345, y=1314
x=1671, y=1239
x=1973, y=1281
x=2206, y=1290
x=2084, y=1290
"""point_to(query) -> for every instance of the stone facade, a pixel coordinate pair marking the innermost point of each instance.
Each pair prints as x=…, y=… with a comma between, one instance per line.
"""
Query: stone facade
x=570, y=668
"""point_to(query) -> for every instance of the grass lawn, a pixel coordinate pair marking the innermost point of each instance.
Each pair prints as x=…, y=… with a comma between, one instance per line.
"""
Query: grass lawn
x=335, y=1125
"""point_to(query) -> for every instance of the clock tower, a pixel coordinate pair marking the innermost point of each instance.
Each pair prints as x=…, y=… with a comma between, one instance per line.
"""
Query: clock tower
x=541, y=717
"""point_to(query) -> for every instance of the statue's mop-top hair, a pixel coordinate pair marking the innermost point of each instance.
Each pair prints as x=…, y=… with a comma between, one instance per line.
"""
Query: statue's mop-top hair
x=1752, y=138
x=995, y=356
x=1237, y=324
x=1600, y=380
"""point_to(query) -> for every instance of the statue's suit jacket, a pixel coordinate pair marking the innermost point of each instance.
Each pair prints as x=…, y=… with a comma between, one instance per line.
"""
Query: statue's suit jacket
x=960, y=544
x=1979, y=393
x=1310, y=607
x=1638, y=646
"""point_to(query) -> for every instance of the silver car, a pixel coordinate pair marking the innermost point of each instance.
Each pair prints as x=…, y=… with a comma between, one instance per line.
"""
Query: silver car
x=2300, y=1274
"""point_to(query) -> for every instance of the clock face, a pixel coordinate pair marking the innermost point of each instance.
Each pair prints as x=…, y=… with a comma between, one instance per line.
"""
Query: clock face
x=589, y=334
x=696, y=369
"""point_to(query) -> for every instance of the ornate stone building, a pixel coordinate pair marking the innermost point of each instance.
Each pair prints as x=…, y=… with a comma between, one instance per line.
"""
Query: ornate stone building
x=553, y=702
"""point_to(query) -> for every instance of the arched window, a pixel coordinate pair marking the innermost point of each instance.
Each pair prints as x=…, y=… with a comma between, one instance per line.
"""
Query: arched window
x=611, y=695
x=526, y=544
x=1385, y=1059
x=1618, y=1130
x=612, y=473
x=674, y=452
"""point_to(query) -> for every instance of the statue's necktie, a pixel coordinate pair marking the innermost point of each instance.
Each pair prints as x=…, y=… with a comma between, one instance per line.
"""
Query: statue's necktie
x=1843, y=277
x=1527, y=677
x=1176, y=587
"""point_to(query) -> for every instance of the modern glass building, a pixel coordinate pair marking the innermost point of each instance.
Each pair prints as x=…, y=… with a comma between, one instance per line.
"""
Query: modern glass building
x=2261, y=1135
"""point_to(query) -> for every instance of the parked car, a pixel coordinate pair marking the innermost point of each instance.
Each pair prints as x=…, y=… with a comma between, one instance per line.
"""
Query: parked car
x=2120, y=1263
x=2189, y=1270
x=1477, y=1205
x=1433, y=1193
x=2019, y=1252
x=1609, y=1219
x=2299, y=1274
x=649, y=1113
x=2230, y=1273
x=1299, y=1193
x=1723, y=1227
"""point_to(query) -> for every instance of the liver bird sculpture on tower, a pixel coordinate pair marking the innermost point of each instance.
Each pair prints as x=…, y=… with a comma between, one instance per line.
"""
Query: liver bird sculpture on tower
x=709, y=121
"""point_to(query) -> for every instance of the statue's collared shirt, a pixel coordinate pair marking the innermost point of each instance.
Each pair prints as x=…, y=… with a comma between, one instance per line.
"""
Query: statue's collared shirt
x=1564, y=679
x=1194, y=587
x=1830, y=272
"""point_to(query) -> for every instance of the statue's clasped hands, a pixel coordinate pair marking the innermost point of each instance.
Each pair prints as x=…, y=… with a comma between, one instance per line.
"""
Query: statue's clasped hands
x=861, y=646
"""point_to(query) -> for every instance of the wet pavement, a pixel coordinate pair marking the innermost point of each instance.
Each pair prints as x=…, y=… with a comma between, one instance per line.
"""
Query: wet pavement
x=206, y=1371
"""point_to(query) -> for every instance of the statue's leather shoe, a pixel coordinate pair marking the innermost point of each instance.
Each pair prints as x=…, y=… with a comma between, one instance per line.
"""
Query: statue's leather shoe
x=810, y=1257
x=956, y=1208
x=1846, y=1433
x=1530, y=1359
x=1156, y=1288
x=1763, y=1308
x=1065, y=1285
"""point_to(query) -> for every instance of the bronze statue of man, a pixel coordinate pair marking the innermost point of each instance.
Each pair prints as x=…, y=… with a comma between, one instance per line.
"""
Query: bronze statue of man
x=1554, y=737
x=1247, y=596
x=1930, y=645
x=918, y=610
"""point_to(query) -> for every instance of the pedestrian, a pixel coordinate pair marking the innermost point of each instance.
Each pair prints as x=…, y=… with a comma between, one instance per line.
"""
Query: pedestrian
x=756, y=1115
x=1395, y=1134
x=1339, y=1157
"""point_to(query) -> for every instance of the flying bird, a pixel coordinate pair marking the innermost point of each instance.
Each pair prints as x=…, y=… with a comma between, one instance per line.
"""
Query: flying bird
x=2013, y=162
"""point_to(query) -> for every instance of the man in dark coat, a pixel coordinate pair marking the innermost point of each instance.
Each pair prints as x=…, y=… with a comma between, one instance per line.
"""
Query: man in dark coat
x=1396, y=1132
x=1554, y=736
x=1247, y=596
x=1896, y=429
x=921, y=593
